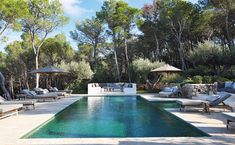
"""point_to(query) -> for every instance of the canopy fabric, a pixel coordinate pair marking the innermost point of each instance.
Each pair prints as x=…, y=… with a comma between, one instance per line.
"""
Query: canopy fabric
x=48, y=70
x=167, y=68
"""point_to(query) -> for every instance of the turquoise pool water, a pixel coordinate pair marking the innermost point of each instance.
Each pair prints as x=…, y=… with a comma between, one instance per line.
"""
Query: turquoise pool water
x=114, y=117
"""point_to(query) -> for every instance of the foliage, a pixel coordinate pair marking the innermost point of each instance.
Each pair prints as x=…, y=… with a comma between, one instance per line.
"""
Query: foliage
x=89, y=32
x=79, y=86
x=173, y=78
x=44, y=17
x=142, y=67
x=56, y=49
x=197, y=79
x=78, y=70
x=11, y=12
x=216, y=57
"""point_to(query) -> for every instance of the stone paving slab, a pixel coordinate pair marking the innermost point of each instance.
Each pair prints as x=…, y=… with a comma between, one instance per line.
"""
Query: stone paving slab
x=12, y=128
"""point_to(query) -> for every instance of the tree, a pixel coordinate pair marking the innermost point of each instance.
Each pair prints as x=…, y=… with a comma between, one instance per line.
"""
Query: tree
x=11, y=12
x=55, y=50
x=45, y=16
x=215, y=56
x=89, y=32
x=178, y=15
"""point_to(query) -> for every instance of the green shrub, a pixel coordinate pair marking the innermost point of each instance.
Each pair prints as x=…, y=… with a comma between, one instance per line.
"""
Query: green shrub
x=197, y=79
x=142, y=68
x=79, y=86
x=207, y=79
x=200, y=70
x=186, y=81
x=220, y=79
x=173, y=78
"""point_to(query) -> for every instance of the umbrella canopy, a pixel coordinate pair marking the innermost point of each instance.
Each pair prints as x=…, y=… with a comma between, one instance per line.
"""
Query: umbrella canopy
x=167, y=68
x=49, y=70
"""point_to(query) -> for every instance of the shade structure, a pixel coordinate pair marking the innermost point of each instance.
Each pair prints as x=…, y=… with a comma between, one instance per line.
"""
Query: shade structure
x=167, y=68
x=49, y=70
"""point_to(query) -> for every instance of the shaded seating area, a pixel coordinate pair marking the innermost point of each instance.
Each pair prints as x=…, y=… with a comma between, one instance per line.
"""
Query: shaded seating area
x=25, y=103
x=211, y=101
x=9, y=110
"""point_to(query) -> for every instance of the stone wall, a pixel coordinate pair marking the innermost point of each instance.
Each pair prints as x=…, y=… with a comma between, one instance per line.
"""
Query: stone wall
x=192, y=90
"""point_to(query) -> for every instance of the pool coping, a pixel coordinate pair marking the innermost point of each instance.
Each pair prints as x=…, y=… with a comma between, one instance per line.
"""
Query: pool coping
x=13, y=137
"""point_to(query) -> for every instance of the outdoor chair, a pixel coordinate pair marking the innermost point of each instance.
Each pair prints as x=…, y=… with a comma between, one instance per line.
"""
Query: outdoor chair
x=170, y=92
x=230, y=117
x=211, y=101
x=26, y=103
x=10, y=109
x=43, y=97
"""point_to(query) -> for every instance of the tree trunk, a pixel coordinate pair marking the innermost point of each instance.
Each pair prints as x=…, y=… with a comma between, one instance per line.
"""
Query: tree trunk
x=181, y=54
x=115, y=57
x=6, y=94
x=127, y=61
x=95, y=57
x=36, y=67
x=11, y=85
x=229, y=40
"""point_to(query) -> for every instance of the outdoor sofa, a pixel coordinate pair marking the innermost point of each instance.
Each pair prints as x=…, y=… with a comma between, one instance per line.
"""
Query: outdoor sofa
x=25, y=103
x=10, y=109
x=230, y=117
x=211, y=101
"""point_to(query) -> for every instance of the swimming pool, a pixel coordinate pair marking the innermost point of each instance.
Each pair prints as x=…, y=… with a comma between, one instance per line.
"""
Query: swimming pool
x=114, y=117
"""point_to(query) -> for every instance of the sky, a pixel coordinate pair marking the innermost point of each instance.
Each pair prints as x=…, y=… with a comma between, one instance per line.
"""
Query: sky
x=76, y=10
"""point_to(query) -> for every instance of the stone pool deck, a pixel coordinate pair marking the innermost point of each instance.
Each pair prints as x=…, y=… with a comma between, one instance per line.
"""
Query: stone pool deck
x=14, y=127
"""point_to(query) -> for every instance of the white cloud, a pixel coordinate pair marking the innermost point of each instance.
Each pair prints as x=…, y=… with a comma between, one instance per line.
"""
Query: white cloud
x=72, y=7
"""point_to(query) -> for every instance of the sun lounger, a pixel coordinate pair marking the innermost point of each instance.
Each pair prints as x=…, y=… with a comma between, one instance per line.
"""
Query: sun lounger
x=211, y=101
x=54, y=89
x=42, y=97
x=8, y=110
x=230, y=117
x=25, y=103
x=41, y=91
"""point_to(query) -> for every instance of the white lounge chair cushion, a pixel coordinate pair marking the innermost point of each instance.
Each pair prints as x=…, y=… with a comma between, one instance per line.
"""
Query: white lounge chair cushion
x=163, y=93
x=229, y=115
x=7, y=108
x=212, y=98
x=228, y=84
x=191, y=102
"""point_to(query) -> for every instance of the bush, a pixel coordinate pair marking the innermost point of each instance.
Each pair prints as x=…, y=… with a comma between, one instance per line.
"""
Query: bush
x=207, y=79
x=80, y=70
x=142, y=68
x=186, y=81
x=173, y=78
x=79, y=86
x=197, y=79
x=200, y=70
x=220, y=79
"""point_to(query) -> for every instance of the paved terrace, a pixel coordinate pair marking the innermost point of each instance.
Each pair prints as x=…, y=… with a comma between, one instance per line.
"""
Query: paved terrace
x=14, y=127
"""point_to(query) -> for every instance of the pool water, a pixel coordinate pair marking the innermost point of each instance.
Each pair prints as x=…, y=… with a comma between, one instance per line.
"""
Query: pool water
x=114, y=117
